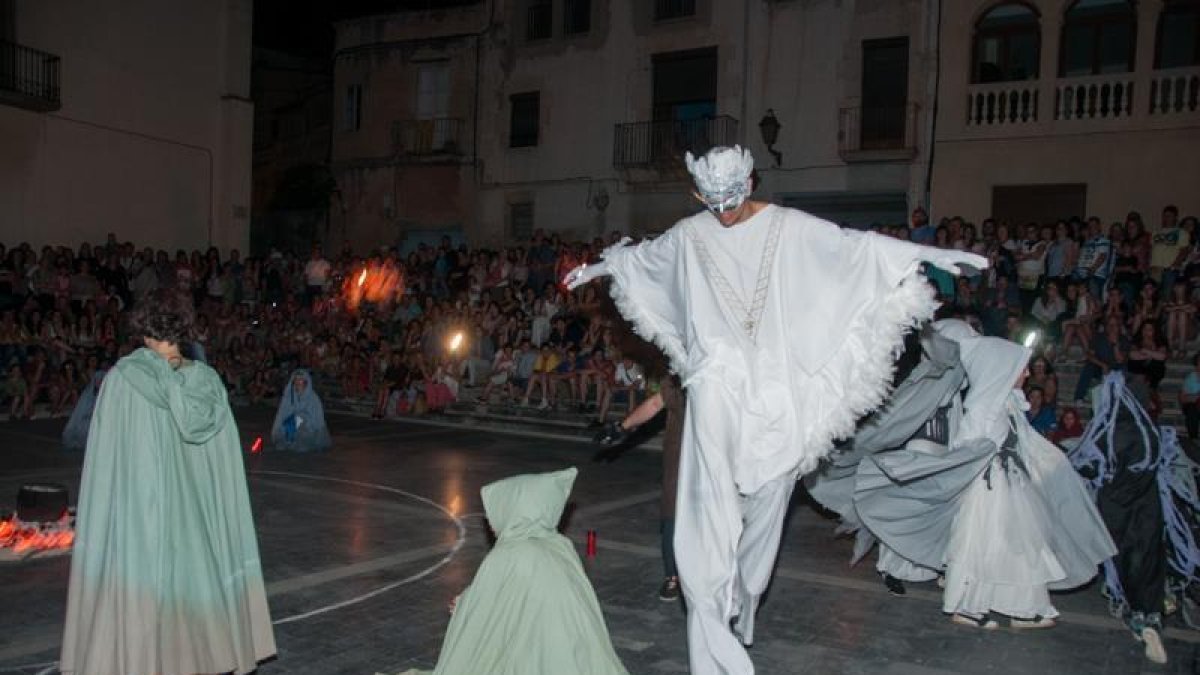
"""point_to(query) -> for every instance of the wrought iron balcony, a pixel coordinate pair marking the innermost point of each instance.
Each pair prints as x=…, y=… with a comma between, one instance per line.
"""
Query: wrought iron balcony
x=662, y=144
x=427, y=138
x=28, y=78
x=884, y=133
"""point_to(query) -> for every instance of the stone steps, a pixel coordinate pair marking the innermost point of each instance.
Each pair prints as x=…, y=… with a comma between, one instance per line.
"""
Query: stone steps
x=564, y=419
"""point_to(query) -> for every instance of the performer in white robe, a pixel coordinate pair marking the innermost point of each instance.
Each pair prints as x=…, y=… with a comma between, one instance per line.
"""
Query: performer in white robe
x=783, y=328
x=1027, y=525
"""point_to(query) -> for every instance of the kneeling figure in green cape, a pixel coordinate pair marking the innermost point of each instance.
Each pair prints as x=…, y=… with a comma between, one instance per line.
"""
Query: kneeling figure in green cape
x=530, y=609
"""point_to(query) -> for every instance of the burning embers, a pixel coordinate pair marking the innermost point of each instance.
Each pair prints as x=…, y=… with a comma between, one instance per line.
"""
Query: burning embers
x=42, y=526
x=20, y=540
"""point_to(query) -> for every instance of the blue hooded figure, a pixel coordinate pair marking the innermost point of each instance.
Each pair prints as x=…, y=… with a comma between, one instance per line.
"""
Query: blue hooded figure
x=74, y=435
x=300, y=422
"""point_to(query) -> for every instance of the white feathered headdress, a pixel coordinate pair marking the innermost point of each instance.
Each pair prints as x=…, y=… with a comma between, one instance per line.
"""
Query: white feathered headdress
x=722, y=176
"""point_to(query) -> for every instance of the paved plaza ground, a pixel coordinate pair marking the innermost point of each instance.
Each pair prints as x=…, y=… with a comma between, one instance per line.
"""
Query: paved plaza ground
x=363, y=548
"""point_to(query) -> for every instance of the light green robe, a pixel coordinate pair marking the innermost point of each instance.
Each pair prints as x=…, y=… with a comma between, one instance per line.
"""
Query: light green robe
x=165, y=575
x=531, y=609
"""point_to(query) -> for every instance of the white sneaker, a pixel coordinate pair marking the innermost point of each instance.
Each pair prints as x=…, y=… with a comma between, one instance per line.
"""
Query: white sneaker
x=1155, y=651
x=1034, y=623
x=544, y=405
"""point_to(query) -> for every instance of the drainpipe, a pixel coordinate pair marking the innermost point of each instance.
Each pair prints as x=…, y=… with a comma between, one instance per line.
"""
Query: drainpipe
x=745, y=71
x=933, y=109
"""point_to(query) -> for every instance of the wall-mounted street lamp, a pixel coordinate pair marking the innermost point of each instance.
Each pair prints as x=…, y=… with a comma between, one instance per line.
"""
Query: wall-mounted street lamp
x=769, y=126
x=599, y=200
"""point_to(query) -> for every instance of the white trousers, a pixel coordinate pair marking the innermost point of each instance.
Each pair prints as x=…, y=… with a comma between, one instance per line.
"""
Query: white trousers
x=725, y=542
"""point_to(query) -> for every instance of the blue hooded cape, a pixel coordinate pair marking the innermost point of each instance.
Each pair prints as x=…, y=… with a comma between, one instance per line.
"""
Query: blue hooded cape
x=74, y=435
x=300, y=421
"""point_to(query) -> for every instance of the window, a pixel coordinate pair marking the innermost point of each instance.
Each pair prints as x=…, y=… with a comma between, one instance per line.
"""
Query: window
x=673, y=9
x=1178, y=35
x=1098, y=38
x=352, y=108
x=523, y=126
x=577, y=16
x=1007, y=45
x=884, y=112
x=538, y=19
x=520, y=220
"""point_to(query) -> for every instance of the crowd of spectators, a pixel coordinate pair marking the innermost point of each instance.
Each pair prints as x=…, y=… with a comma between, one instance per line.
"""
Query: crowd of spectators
x=1121, y=296
x=409, y=331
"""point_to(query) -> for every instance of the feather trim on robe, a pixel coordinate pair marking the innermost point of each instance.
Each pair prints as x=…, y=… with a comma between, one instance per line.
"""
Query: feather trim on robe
x=838, y=305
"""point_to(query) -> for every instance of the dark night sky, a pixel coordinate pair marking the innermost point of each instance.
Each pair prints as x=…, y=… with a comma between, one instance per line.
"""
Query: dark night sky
x=305, y=26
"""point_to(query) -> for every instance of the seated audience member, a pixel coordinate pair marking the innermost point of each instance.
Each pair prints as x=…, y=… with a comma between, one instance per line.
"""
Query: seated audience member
x=546, y=364
x=300, y=421
x=1108, y=351
x=592, y=370
x=567, y=373
x=1189, y=399
x=504, y=366
x=526, y=358
x=1048, y=312
x=627, y=381
x=1082, y=312
x=16, y=394
x=396, y=379
x=441, y=387
x=530, y=608
x=1069, y=428
x=1181, y=315
x=1148, y=355
x=1146, y=308
x=1041, y=374
x=1040, y=416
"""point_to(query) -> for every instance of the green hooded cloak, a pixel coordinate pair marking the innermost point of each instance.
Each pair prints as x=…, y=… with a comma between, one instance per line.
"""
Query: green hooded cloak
x=531, y=609
x=165, y=575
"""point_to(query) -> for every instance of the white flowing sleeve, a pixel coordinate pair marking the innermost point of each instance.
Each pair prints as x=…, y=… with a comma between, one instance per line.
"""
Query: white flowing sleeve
x=648, y=287
x=900, y=257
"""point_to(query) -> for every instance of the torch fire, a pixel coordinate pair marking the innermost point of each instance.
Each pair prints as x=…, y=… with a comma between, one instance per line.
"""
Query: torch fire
x=456, y=341
x=362, y=278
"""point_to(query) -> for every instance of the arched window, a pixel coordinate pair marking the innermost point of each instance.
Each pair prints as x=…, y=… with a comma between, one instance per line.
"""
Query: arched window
x=1178, y=35
x=1098, y=37
x=1007, y=44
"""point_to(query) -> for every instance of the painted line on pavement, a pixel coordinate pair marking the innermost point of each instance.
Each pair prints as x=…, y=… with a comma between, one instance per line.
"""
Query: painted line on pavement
x=378, y=504
x=458, y=524
x=339, y=572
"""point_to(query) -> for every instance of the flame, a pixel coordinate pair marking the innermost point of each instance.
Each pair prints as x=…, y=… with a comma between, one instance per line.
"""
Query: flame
x=27, y=538
x=378, y=283
x=456, y=341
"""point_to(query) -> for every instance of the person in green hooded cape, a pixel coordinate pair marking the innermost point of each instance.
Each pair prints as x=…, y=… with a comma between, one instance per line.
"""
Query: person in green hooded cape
x=530, y=609
x=165, y=575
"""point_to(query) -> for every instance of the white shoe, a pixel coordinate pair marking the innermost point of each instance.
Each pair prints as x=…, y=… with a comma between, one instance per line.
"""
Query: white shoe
x=1155, y=651
x=1036, y=622
x=982, y=622
x=544, y=405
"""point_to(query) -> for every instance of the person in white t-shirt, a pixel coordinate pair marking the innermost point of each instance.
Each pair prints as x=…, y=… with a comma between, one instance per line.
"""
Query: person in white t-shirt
x=316, y=275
